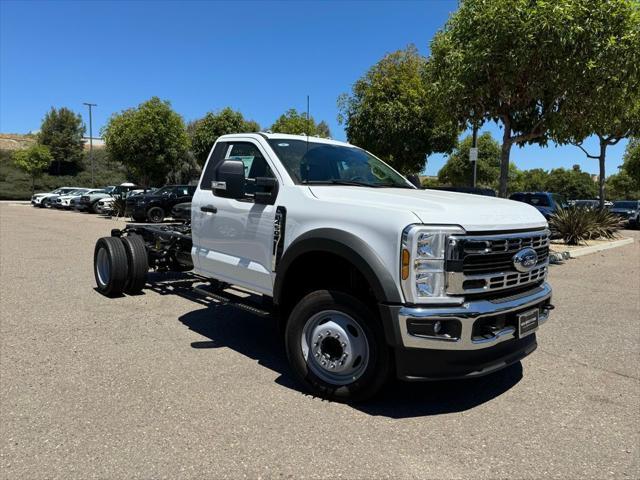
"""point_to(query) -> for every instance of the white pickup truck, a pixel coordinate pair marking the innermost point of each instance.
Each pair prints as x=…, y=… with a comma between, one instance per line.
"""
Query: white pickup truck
x=369, y=276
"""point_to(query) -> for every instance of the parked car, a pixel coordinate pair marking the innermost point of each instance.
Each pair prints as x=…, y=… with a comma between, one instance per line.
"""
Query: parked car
x=182, y=211
x=64, y=201
x=105, y=206
x=372, y=278
x=627, y=210
x=589, y=204
x=89, y=200
x=43, y=199
x=155, y=206
x=547, y=203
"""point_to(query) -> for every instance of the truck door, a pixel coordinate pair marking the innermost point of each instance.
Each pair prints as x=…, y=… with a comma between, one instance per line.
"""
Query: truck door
x=233, y=238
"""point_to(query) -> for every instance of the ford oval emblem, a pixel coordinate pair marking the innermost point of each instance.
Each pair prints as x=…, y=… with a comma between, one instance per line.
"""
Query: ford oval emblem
x=525, y=260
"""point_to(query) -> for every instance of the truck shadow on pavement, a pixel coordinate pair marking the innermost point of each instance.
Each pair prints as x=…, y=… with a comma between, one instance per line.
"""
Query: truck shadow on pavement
x=256, y=336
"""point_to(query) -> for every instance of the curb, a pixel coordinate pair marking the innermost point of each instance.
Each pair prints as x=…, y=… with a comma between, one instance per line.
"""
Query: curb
x=579, y=252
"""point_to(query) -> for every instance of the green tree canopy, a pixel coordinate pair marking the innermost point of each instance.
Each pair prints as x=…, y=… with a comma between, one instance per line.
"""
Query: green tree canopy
x=205, y=131
x=458, y=170
x=62, y=131
x=631, y=160
x=620, y=186
x=606, y=100
x=149, y=140
x=520, y=63
x=534, y=180
x=390, y=113
x=33, y=161
x=572, y=183
x=296, y=123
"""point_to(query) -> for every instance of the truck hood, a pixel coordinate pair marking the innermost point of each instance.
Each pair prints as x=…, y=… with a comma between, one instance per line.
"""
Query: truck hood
x=474, y=213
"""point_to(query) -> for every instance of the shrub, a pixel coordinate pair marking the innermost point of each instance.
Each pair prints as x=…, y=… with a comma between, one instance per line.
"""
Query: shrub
x=577, y=225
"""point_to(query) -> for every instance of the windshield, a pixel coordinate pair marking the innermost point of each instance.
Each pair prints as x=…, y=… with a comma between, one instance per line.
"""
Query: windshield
x=324, y=164
x=164, y=191
x=628, y=205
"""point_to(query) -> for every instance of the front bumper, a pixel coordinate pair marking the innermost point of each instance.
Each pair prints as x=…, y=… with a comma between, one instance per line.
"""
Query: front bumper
x=486, y=336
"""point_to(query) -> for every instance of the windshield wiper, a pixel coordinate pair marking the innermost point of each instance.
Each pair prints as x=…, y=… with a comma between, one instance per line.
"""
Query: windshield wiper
x=337, y=182
x=352, y=183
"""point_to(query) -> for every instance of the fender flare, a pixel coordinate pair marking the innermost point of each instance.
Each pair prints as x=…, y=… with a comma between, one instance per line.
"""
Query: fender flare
x=347, y=246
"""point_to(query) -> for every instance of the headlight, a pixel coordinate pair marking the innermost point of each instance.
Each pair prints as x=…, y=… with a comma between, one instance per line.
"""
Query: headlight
x=422, y=263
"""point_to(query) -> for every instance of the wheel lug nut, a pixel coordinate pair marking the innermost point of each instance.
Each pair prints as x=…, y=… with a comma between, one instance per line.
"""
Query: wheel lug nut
x=343, y=344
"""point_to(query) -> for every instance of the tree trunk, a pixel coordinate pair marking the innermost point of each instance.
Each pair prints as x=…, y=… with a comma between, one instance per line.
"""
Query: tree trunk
x=601, y=161
x=504, y=160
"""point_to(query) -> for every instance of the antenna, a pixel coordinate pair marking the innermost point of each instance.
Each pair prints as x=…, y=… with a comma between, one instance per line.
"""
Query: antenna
x=308, y=123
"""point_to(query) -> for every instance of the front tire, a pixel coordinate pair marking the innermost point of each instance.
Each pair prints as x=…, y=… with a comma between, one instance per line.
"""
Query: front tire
x=155, y=214
x=336, y=346
x=110, y=266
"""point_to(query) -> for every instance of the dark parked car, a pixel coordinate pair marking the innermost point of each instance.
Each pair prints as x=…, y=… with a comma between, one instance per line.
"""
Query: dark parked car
x=182, y=211
x=627, y=210
x=154, y=207
x=547, y=203
x=588, y=204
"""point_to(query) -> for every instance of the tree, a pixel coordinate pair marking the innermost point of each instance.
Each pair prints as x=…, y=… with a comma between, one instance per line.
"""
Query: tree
x=606, y=101
x=33, y=161
x=458, y=170
x=572, y=183
x=205, y=131
x=631, y=161
x=390, y=112
x=515, y=62
x=62, y=131
x=621, y=186
x=149, y=140
x=296, y=123
x=534, y=180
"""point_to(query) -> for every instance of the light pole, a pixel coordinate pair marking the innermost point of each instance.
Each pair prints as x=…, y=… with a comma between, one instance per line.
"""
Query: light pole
x=91, y=139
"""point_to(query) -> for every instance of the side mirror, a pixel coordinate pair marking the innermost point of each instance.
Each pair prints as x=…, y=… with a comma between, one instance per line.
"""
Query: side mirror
x=231, y=182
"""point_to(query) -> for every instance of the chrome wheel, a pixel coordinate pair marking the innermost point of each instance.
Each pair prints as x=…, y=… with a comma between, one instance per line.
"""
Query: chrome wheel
x=335, y=347
x=103, y=268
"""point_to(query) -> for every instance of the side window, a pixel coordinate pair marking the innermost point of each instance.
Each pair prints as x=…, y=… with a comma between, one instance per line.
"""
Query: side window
x=255, y=164
x=182, y=191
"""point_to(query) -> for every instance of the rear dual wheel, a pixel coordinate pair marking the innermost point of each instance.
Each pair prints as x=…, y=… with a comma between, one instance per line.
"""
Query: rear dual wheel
x=120, y=265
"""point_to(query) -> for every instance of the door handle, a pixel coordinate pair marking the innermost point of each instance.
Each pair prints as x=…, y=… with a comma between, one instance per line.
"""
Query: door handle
x=209, y=209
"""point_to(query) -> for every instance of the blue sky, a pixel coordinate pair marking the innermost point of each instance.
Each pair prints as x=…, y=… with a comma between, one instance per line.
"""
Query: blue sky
x=259, y=57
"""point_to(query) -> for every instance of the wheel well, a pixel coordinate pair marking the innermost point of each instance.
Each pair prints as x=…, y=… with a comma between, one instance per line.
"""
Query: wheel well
x=322, y=271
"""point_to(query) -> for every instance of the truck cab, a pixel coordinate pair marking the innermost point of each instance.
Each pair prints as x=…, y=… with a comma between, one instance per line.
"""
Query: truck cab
x=369, y=276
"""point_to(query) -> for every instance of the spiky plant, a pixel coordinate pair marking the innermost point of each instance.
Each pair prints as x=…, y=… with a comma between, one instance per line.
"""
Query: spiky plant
x=577, y=225
x=607, y=223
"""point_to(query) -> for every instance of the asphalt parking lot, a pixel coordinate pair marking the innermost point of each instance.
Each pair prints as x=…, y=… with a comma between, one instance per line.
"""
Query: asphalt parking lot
x=164, y=385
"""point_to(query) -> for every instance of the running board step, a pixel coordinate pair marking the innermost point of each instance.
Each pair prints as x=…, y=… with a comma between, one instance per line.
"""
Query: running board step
x=233, y=297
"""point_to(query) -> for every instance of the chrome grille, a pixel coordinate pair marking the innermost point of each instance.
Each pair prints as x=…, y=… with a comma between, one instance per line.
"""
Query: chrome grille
x=483, y=263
